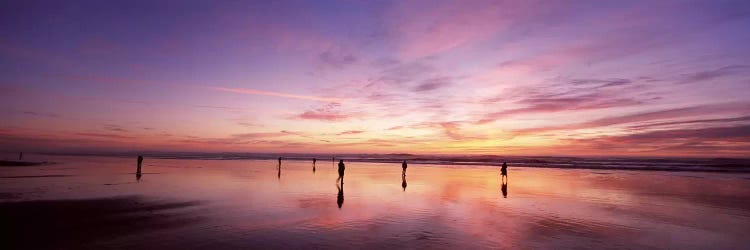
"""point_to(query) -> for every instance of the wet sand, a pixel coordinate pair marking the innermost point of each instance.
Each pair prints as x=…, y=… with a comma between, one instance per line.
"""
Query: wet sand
x=97, y=202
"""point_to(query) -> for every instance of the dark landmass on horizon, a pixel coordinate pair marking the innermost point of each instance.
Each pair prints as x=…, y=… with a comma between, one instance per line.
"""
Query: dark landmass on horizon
x=4, y=163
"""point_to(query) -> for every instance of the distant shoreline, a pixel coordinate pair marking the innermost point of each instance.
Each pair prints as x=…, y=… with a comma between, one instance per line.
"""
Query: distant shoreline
x=721, y=165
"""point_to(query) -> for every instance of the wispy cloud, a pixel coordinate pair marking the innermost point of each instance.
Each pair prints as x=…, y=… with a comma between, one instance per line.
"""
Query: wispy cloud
x=276, y=94
x=106, y=135
x=731, y=140
x=351, y=132
x=337, y=57
x=114, y=128
x=442, y=26
x=660, y=115
x=716, y=73
x=432, y=84
x=558, y=104
x=699, y=121
x=328, y=112
x=44, y=114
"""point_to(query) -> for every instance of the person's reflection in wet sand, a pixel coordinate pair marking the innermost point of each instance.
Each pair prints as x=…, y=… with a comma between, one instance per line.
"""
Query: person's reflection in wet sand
x=340, y=196
x=279, y=172
x=504, y=187
x=403, y=182
x=314, y=160
x=138, y=177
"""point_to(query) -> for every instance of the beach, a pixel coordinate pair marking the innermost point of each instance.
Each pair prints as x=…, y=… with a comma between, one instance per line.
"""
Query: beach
x=94, y=202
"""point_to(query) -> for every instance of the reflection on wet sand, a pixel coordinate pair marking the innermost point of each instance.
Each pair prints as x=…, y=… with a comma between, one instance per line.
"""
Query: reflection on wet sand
x=403, y=182
x=74, y=223
x=551, y=208
x=340, y=196
x=504, y=188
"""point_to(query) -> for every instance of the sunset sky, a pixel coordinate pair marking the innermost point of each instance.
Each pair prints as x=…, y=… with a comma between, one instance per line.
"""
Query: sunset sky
x=640, y=78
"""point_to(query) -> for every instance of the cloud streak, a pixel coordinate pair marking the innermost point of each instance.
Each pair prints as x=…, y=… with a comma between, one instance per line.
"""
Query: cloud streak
x=275, y=94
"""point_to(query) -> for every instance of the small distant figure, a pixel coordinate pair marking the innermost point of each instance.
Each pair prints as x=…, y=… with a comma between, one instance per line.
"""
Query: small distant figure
x=403, y=166
x=340, y=196
x=20, y=156
x=504, y=171
x=140, y=161
x=279, y=161
x=333, y=161
x=314, y=160
x=341, y=172
x=403, y=182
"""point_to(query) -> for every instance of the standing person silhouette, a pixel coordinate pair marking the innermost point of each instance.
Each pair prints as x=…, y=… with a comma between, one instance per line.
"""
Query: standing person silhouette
x=504, y=171
x=341, y=171
x=140, y=161
x=279, y=161
x=403, y=166
x=314, y=160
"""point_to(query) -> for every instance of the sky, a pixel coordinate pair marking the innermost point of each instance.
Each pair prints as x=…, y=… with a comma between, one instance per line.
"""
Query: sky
x=589, y=78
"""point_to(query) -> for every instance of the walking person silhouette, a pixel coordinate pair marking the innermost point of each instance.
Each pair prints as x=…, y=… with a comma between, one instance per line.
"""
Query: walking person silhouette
x=140, y=161
x=403, y=166
x=341, y=171
x=504, y=171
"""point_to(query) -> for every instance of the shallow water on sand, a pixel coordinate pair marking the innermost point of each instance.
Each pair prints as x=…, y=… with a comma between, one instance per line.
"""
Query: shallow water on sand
x=248, y=203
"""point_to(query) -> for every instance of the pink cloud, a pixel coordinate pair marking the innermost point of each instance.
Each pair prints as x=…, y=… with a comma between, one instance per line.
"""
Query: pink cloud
x=328, y=112
x=324, y=116
x=351, y=132
x=661, y=115
x=713, y=140
x=550, y=105
x=424, y=29
x=276, y=94
x=106, y=79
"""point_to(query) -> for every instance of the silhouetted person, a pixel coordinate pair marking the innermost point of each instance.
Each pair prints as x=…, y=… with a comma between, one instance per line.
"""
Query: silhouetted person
x=504, y=189
x=341, y=171
x=403, y=182
x=140, y=161
x=314, y=160
x=403, y=166
x=340, y=196
x=504, y=170
x=20, y=156
x=279, y=162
